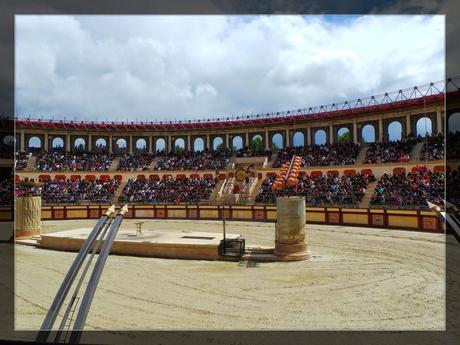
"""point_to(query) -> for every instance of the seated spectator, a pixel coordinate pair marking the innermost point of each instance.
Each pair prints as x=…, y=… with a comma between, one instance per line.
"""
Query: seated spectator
x=320, y=190
x=22, y=158
x=390, y=151
x=168, y=190
x=229, y=186
x=320, y=155
x=413, y=189
x=80, y=161
x=433, y=148
x=201, y=160
x=135, y=162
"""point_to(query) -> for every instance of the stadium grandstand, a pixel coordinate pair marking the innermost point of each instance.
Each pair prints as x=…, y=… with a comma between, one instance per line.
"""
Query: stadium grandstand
x=373, y=155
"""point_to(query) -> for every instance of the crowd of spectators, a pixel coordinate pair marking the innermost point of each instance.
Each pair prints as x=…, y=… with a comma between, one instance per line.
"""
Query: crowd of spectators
x=6, y=190
x=62, y=161
x=246, y=152
x=135, y=162
x=453, y=145
x=168, y=190
x=22, y=158
x=390, y=151
x=411, y=189
x=229, y=186
x=201, y=160
x=433, y=148
x=320, y=155
x=320, y=190
x=60, y=191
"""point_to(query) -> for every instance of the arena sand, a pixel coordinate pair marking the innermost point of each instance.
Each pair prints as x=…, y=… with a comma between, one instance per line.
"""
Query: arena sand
x=357, y=279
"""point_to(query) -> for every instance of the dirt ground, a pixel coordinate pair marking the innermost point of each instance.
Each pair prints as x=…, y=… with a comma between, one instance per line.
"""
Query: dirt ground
x=357, y=279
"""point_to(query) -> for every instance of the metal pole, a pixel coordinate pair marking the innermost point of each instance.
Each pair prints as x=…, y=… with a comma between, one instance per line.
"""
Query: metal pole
x=223, y=223
x=95, y=276
x=70, y=277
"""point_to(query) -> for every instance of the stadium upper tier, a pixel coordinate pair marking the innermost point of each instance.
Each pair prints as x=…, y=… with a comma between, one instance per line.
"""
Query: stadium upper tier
x=388, y=116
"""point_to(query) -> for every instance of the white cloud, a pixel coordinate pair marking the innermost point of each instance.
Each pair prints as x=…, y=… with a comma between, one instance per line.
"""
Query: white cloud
x=166, y=67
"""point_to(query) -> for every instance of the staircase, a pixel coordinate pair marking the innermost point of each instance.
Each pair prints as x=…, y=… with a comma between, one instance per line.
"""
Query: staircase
x=114, y=165
x=366, y=201
x=119, y=191
x=31, y=163
x=416, y=152
x=154, y=163
x=362, y=153
x=252, y=197
x=215, y=193
x=33, y=241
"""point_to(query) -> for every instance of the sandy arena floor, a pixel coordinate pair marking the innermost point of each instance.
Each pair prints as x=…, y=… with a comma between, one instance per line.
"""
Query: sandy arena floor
x=358, y=278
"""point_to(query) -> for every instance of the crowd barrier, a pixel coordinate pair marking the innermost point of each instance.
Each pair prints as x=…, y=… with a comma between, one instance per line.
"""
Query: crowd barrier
x=419, y=220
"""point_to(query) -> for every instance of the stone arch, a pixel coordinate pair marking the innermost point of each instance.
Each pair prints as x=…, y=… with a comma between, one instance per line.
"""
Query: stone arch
x=395, y=131
x=179, y=145
x=237, y=142
x=121, y=145
x=79, y=144
x=424, y=126
x=344, y=135
x=34, y=143
x=278, y=141
x=453, y=123
x=198, y=144
x=9, y=140
x=57, y=144
x=160, y=145
x=141, y=145
x=257, y=143
x=216, y=142
x=368, y=133
x=320, y=137
x=298, y=139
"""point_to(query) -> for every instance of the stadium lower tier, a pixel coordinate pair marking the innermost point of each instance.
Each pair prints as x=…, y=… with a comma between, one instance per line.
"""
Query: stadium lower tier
x=411, y=189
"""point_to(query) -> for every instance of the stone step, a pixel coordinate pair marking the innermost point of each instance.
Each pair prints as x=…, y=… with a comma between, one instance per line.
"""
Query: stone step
x=27, y=242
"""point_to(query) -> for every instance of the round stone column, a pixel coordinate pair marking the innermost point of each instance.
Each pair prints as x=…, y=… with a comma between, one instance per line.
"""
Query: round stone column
x=28, y=216
x=290, y=240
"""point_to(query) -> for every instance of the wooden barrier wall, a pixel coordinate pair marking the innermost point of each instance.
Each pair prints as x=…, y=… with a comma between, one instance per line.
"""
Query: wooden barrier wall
x=421, y=220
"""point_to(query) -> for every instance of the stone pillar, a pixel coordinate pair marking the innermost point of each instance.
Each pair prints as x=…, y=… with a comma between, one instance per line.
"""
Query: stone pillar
x=207, y=144
x=267, y=147
x=438, y=121
x=45, y=142
x=246, y=138
x=130, y=143
x=355, y=132
x=308, y=136
x=150, y=143
x=380, y=129
x=90, y=142
x=408, y=126
x=169, y=148
x=331, y=134
x=28, y=216
x=290, y=239
x=67, y=142
x=110, y=144
x=189, y=146
x=288, y=139
x=22, y=141
x=226, y=142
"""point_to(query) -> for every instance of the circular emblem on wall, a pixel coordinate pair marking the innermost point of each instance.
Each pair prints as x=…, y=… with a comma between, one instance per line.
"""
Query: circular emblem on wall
x=240, y=175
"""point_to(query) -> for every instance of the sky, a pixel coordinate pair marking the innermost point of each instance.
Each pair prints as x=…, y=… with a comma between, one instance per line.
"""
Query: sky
x=161, y=68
